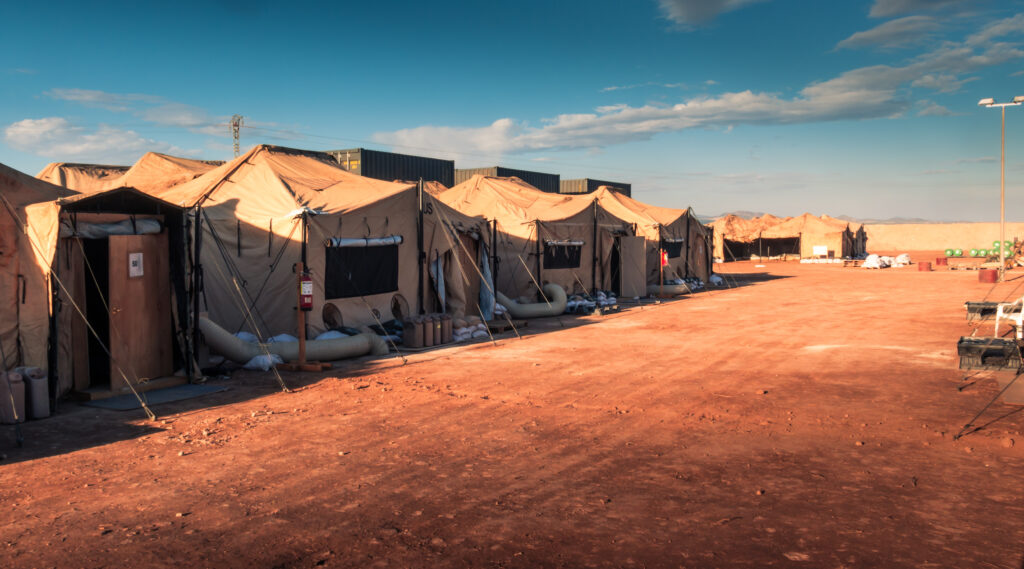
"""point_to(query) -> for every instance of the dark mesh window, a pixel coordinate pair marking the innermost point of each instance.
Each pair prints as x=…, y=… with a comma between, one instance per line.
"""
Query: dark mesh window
x=673, y=249
x=360, y=271
x=562, y=256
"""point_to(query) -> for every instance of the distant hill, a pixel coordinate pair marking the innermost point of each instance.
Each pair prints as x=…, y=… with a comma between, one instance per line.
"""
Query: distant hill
x=888, y=221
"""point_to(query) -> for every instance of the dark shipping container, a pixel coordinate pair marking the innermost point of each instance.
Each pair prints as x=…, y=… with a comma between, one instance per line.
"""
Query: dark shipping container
x=587, y=185
x=543, y=182
x=391, y=166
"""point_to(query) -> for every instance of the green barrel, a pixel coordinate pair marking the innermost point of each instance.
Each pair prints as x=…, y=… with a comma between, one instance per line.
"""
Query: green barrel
x=995, y=243
x=949, y=252
x=983, y=252
x=959, y=252
x=974, y=252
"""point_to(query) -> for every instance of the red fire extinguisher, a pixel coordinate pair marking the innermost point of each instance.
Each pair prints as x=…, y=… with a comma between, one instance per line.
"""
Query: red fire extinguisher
x=305, y=291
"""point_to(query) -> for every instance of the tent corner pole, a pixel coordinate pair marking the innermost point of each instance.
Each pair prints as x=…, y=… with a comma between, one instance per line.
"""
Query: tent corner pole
x=540, y=280
x=197, y=270
x=593, y=248
x=689, y=241
x=420, y=255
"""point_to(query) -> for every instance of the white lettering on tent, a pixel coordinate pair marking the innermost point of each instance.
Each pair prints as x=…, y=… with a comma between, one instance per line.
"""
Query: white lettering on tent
x=135, y=265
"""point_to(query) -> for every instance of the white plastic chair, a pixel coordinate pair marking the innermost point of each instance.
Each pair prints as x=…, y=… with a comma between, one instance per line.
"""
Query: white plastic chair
x=1014, y=312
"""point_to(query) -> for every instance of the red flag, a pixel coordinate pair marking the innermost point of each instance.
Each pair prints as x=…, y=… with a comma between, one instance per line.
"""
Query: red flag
x=664, y=258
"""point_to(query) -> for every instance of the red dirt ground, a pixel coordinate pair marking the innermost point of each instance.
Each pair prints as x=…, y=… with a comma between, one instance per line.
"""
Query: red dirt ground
x=804, y=419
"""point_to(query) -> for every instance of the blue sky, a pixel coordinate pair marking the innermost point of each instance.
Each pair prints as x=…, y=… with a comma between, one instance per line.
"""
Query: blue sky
x=866, y=109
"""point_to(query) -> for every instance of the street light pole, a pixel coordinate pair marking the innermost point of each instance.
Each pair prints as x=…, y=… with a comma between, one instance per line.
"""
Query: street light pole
x=1002, y=177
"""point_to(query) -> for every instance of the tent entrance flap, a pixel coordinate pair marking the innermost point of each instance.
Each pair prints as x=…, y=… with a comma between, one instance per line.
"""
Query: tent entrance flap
x=632, y=267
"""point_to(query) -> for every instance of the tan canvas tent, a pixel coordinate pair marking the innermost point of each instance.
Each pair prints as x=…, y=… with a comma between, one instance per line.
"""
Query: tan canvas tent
x=360, y=238
x=28, y=232
x=816, y=237
x=678, y=232
x=735, y=236
x=154, y=172
x=543, y=237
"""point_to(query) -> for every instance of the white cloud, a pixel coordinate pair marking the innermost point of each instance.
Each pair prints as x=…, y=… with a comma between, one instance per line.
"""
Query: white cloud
x=689, y=12
x=929, y=108
x=889, y=8
x=998, y=29
x=638, y=85
x=979, y=160
x=878, y=91
x=57, y=138
x=100, y=99
x=150, y=108
x=892, y=34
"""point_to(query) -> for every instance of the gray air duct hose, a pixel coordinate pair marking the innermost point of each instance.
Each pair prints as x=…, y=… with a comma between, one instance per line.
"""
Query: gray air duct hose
x=554, y=293
x=238, y=350
x=655, y=290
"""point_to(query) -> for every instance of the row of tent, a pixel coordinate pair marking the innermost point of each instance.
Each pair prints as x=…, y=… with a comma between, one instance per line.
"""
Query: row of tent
x=105, y=270
x=805, y=236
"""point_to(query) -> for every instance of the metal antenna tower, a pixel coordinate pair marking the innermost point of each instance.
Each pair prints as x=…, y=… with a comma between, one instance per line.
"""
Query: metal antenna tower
x=236, y=123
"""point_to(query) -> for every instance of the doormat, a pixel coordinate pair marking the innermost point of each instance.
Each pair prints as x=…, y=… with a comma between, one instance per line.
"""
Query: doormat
x=156, y=397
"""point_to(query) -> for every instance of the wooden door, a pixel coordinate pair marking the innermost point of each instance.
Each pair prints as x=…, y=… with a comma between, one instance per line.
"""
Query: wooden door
x=140, y=308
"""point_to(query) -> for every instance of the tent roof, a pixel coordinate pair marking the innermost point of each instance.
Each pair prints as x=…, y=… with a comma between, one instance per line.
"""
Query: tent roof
x=154, y=172
x=21, y=189
x=842, y=224
x=625, y=207
x=803, y=224
x=512, y=199
x=81, y=177
x=736, y=228
x=279, y=178
x=151, y=173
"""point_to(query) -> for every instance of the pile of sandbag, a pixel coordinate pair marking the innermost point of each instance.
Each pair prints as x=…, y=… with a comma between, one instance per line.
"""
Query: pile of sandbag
x=469, y=328
x=693, y=283
x=587, y=304
x=884, y=261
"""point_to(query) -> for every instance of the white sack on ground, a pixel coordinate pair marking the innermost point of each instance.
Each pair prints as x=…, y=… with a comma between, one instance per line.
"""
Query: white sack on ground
x=263, y=362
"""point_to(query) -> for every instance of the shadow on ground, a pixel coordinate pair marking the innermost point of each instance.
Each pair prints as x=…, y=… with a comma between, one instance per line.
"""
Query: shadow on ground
x=74, y=426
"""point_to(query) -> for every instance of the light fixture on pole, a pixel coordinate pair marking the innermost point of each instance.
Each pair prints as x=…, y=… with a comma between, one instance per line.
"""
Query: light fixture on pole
x=990, y=102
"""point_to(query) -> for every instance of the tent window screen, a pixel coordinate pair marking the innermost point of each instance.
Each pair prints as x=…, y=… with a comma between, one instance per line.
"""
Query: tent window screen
x=673, y=248
x=562, y=255
x=360, y=271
